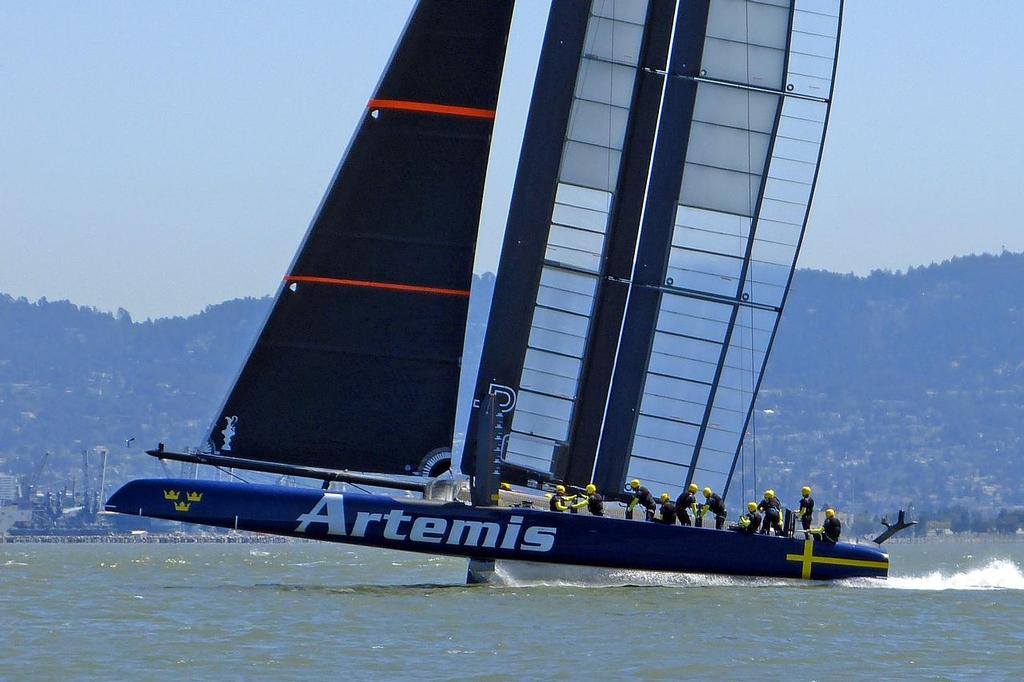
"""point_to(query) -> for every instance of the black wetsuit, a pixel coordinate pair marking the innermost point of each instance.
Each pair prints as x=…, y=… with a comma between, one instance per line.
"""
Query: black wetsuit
x=832, y=528
x=806, y=510
x=595, y=504
x=558, y=503
x=716, y=505
x=772, y=515
x=751, y=528
x=645, y=499
x=668, y=514
x=684, y=503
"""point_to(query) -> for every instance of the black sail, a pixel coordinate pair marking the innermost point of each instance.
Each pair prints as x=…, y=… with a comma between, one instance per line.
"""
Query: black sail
x=357, y=366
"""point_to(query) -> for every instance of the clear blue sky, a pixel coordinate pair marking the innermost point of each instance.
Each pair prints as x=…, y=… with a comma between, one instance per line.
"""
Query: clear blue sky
x=161, y=157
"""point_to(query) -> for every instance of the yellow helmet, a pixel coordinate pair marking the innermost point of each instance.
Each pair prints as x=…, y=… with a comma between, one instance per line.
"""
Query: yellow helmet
x=591, y=488
x=805, y=491
x=692, y=488
x=751, y=506
x=505, y=486
x=665, y=497
x=769, y=493
x=830, y=513
x=560, y=489
x=635, y=483
x=707, y=492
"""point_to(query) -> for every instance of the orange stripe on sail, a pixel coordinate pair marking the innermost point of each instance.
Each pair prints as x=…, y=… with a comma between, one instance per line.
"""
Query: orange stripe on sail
x=428, y=108
x=408, y=288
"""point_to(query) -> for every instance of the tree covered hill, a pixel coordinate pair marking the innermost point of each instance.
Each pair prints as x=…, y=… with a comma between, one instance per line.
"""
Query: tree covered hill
x=892, y=388
x=902, y=386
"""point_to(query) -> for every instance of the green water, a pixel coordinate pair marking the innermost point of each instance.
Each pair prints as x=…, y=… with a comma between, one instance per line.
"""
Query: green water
x=317, y=611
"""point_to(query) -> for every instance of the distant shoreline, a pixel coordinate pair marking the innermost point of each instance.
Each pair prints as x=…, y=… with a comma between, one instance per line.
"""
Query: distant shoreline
x=238, y=538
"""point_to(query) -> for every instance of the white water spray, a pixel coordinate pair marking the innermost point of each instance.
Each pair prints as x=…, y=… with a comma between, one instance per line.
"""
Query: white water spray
x=997, y=574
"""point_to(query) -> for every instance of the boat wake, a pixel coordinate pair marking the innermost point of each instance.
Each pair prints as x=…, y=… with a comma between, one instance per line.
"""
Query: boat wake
x=525, y=574
x=997, y=574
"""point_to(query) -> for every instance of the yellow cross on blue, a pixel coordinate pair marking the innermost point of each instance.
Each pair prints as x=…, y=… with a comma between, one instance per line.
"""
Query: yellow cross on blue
x=808, y=559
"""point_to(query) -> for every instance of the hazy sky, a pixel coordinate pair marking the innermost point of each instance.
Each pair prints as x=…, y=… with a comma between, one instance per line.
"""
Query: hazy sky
x=161, y=157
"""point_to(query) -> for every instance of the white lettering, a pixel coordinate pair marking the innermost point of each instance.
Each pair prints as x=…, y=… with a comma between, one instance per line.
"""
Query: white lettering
x=427, y=529
x=364, y=519
x=539, y=539
x=330, y=510
x=473, y=530
x=512, y=533
x=395, y=518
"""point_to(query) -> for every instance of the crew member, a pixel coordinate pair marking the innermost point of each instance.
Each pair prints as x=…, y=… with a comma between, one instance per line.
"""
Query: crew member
x=558, y=502
x=584, y=501
x=830, y=531
x=643, y=497
x=806, y=508
x=749, y=522
x=595, y=502
x=713, y=503
x=687, y=503
x=772, y=509
x=832, y=527
x=668, y=510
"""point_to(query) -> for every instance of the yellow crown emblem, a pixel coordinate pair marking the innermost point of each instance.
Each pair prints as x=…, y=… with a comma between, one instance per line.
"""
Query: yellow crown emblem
x=171, y=495
x=182, y=506
x=195, y=497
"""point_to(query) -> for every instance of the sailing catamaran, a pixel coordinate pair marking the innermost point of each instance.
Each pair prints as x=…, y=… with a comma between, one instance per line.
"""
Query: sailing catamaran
x=663, y=187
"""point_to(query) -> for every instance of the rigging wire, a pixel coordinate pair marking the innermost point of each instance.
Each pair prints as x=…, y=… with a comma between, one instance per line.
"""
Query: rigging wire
x=229, y=472
x=611, y=77
x=750, y=265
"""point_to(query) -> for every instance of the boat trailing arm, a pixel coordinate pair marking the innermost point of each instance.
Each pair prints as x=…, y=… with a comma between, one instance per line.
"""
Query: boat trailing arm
x=893, y=528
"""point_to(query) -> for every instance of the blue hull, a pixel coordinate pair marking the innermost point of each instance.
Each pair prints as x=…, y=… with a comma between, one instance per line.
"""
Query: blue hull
x=491, y=532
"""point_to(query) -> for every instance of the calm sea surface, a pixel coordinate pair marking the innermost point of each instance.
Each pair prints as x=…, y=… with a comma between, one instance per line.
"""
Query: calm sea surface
x=317, y=611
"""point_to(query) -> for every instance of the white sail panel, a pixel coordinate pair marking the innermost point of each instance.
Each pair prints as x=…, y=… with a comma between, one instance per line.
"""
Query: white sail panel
x=727, y=148
x=812, y=52
x=576, y=242
x=746, y=43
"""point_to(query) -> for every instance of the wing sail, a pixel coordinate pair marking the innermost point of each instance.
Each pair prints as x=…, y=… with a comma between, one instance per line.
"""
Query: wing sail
x=658, y=246
x=581, y=129
x=714, y=268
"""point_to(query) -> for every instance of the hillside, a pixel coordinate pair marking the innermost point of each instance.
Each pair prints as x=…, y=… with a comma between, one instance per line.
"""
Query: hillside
x=906, y=386
x=897, y=387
